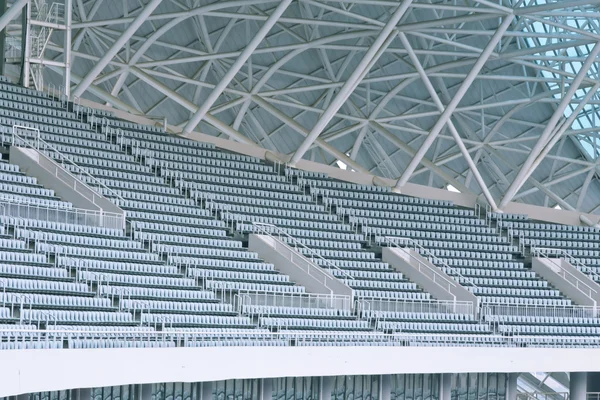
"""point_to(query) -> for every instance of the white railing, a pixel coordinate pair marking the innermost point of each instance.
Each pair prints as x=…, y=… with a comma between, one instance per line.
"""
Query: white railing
x=545, y=396
x=374, y=306
x=53, y=15
x=246, y=337
x=17, y=210
x=244, y=300
x=550, y=252
x=295, y=245
x=589, y=291
x=402, y=242
x=250, y=337
x=539, y=310
x=23, y=136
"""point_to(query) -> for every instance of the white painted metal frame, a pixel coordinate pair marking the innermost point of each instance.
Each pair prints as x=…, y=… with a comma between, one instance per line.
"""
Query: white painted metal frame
x=459, y=91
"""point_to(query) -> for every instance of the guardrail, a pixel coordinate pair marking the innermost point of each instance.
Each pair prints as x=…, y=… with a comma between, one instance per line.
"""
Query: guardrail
x=284, y=238
x=402, y=242
x=568, y=276
x=246, y=298
x=10, y=208
x=33, y=140
x=529, y=310
x=549, y=252
x=544, y=396
x=173, y=337
x=27, y=137
x=373, y=306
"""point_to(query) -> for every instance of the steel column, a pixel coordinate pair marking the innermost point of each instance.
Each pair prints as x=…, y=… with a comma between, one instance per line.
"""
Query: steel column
x=26, y=46
x=67, y=47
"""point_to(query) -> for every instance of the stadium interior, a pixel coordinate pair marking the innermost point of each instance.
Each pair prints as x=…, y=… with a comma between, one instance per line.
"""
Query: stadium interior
x=299, y=199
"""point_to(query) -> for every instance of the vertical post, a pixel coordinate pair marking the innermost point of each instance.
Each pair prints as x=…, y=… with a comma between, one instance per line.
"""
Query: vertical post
x=511, y=386
x=145, y=391
x=67, y=47
x=81, y=394
x=577, y=385
x=26, y=45
x=326, y=387
x=206, y=392
x=266, y=389
x=385, y=387
x=2, y=38
x=445, y=386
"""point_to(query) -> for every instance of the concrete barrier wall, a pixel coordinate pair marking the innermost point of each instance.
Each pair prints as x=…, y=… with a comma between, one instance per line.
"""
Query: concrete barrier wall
x=27, y=371
x=66, y=186
x=425, y=274
x=569, y=280
x=299, y=268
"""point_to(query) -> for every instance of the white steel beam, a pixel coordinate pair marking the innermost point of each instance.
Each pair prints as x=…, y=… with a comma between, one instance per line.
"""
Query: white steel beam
x=530, y=163
x=371, y=56
x=438, y=103
x=179, y=99
x=67, y=47
x=300, y=129
x=462, y=90
x=114, y=49
x=11, y=13
x=236, y=66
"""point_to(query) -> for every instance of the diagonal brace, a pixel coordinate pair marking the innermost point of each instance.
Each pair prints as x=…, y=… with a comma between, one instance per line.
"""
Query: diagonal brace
x=462, y=90
x=235, y=67
x=378, y=47
x=117, y=45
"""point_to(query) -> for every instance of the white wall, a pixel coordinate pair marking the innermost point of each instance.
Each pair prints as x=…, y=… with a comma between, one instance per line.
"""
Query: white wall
x=25, y=371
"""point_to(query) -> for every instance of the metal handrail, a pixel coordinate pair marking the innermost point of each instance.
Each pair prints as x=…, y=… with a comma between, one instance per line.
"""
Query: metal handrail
x=433, y=306
x=537, y=310
x=544, y=253
x=34, y=210
x=547, y=252
x=62, y=157
x=303, y=300
x=183, y=337
x=264, y=228
x=394, y=241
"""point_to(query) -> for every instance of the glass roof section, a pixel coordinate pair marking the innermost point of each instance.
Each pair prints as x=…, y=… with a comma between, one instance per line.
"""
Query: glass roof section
x=570, y=59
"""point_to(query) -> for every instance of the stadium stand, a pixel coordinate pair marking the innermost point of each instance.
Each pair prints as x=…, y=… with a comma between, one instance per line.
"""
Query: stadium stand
x=182, y=264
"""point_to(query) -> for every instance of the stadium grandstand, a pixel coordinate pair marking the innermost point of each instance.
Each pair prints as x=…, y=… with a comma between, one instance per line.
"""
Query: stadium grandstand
x=299, y=199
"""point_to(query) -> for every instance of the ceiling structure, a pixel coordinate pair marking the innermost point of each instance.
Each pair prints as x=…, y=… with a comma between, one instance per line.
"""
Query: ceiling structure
x=493, y=97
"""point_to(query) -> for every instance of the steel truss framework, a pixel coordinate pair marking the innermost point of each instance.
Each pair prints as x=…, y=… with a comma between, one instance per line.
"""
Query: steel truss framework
x=494, y=97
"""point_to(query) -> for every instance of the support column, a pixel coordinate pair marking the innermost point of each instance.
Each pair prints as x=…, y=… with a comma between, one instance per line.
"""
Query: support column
x=593, y=382
x=577, y=386
x=326, y=387
x=145, y=391
x=26, y=45
x=386, y=387
x=2, y=38
x=67, y=47
x=511, y=386
x=206, y=391
x=445, y=386
x=266, y=389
